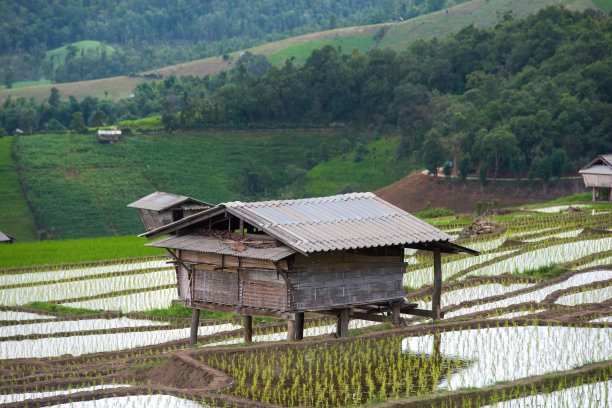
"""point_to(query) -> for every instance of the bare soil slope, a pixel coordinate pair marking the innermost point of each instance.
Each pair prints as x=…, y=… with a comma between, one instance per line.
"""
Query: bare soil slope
x=414, y=191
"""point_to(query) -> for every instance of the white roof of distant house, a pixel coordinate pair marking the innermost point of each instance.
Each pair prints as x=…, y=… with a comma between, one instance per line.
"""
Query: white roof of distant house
x=5, y=238
x=160, y=201
x=108, y=132
x=601, y=165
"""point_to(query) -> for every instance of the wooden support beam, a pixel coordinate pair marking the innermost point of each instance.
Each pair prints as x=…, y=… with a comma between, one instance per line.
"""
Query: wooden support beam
x=247, y=323
x=251, y=311
x=424, y=313
x=370, y=317
x=437, y=285
x=195, y=322
x=396, y=314
x=299, y=326
x=291, y=330
x=342, y=324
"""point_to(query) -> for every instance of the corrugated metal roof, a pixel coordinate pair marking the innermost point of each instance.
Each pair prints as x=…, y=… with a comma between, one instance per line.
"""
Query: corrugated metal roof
x=597, y=169
x=159, y=201
x=213, y=245
x=601, y=160
x=348, y=221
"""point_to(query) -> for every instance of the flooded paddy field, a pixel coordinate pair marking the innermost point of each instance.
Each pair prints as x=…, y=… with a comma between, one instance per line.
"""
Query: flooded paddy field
x=528, y=322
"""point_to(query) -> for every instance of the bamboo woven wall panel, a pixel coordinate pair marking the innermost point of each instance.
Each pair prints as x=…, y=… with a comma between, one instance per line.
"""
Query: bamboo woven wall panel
x=216, y=287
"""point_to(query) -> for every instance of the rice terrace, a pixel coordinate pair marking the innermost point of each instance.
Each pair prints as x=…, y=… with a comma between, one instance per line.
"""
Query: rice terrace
x=527, y=321
x=288, y=203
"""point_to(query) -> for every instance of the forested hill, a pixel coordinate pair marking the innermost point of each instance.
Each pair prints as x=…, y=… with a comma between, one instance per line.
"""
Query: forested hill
x=153, y=34
x=525, y=89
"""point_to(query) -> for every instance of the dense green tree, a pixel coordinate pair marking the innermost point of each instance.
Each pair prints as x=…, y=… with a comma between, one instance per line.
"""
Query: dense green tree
x=8, y=77
x=464, y=166
x=517, y=165
x=543, y=167
x=77, y=125
x=559, y=163
x=433, y=152
x=54, y=97
x=498, y=146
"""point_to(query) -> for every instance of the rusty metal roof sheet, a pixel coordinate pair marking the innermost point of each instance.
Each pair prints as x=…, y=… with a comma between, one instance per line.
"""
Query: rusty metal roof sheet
x=160, y=201
x=213, y=245
x=347, y=221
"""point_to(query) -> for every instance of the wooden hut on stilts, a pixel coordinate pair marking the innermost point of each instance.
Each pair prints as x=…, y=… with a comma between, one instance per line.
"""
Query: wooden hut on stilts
x=341, y=255
x=598, y=176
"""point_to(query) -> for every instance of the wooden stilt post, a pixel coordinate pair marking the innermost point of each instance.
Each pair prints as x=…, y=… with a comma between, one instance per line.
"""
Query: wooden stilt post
x=291, y=330
x=195, y=322
x=247, y=323
x=437, y=284
x=342, y=324
x=299, y=326
x=395, y=313
x=593, y=194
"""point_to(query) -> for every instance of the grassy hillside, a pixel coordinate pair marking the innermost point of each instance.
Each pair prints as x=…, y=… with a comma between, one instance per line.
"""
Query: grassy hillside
x=113, y=88
x=482, y=13
x=58, y=55
x=80, y=188
x=367, y=168
x=301, y=52
x=16, y=218
x=605, y=5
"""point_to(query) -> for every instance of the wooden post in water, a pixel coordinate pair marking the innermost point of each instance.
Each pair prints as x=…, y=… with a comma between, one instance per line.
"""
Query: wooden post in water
x=195, y=322
x=299, y=326
x=247, y=323
x=437, y=284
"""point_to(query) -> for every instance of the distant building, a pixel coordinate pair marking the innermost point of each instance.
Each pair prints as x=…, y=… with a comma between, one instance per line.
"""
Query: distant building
x=159, y=209
x=6, y=239
x=598, y=175
x=108, y=136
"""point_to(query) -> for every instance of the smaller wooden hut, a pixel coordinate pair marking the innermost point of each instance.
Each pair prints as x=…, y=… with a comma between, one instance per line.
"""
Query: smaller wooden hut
x=341, y=255
x=108, y=136
x=6, y=239
x=159, y=208
x=598, y=176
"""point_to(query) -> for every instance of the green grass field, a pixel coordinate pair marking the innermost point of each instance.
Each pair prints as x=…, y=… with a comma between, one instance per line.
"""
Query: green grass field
x=80, y=188
x=25, y=84
x=151, y=124
x=377, y=169
x=301, y=52
x=16, y=219
x=74, y=251
x=605, y=5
